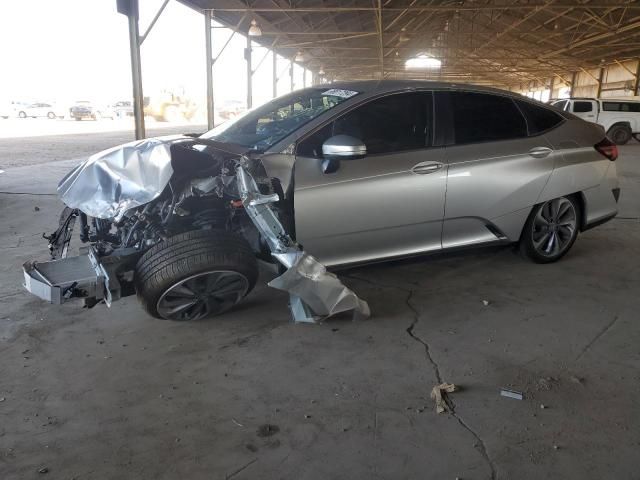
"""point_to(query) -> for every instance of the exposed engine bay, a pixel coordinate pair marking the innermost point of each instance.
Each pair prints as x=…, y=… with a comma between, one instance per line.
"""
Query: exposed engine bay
x=172, y=219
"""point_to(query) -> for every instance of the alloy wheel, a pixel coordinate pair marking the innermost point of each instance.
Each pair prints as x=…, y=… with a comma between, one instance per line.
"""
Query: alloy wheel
x=202, y=295
x=554, y=227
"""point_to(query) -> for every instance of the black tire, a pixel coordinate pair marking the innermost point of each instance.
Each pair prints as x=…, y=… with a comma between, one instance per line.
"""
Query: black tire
x=527, y=245
x=51, y=115
x=192, y=254
x=78, y=119
x=22, y=114
x=619, y=134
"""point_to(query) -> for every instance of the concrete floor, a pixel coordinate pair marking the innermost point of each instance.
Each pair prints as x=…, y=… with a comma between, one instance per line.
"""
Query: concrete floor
x=113, y=394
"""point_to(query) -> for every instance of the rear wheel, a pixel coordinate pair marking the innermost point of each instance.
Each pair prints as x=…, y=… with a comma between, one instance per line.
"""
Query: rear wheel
x=51, y=115
x=22, y=114
x=550, y=230
x=619, y=134
x=195, y=274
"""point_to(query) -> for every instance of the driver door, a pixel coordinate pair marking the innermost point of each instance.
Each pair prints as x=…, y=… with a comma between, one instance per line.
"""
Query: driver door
x=389, y=203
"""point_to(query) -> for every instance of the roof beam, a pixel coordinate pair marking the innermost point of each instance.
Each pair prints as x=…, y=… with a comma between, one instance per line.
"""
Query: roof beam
x=441, y=8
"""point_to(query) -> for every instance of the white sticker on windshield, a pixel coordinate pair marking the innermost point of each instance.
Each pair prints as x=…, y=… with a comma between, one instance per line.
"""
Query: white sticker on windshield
x=336, y=92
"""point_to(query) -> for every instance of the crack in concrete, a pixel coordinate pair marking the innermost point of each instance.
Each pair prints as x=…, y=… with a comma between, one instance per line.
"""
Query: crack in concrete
x=606, y=328
x=236, y=472
x=480, y=445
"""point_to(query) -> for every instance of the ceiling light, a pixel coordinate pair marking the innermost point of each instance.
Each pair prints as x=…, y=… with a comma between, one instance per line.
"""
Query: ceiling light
x=403, y=36
x=423, y=61
x=300, y=57
x=321, y=71
x=254, y=29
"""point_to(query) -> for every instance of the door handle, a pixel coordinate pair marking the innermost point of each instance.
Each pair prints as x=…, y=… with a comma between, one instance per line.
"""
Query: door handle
x=424, y=168
x=540, y=152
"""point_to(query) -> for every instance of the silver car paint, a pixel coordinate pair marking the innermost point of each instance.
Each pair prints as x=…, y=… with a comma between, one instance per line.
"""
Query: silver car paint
x=489, y=181
x=367, y=210
x=582, y=169
x=483, y=193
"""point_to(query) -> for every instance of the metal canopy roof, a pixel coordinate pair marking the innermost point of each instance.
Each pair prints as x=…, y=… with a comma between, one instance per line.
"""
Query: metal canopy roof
x=492, y=42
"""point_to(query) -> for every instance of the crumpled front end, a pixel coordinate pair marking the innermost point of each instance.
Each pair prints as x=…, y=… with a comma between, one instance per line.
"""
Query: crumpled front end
x=314, y=292
x=143, y=195
x=111, y=182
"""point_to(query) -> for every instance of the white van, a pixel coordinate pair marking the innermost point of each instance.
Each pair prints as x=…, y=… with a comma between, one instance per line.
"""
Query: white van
x=619, y=117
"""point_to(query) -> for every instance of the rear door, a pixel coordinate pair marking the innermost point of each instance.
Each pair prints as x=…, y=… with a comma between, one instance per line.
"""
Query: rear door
x=389, y=203
x=498, y=163
x=586, y=109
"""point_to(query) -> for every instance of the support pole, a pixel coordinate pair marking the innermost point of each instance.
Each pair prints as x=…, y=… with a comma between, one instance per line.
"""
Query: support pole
x=573, y=83
x=136, y=70
x=551, y=85
x=209, y=52
x=304, y=77
x=274, y=74
x=636, y=83
x=247, y=56
x=600, y=79
x=291, y=74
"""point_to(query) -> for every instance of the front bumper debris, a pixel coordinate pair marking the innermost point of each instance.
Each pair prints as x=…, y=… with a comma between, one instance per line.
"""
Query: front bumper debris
x=57, y=281
x=314, y=293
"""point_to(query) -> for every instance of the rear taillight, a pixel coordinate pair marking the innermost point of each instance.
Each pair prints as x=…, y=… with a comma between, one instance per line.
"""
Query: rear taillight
x=607, y=148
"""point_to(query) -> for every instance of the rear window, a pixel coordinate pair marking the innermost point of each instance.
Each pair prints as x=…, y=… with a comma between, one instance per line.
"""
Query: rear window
x=621, y=106
x=539, y=119
x=481, y=117
x=582, y=107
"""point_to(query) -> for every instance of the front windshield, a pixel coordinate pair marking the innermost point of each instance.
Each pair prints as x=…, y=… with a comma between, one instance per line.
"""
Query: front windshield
x=263, y=127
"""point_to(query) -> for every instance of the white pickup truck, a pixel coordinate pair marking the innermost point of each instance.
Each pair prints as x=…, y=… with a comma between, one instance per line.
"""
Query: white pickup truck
x=619, y=117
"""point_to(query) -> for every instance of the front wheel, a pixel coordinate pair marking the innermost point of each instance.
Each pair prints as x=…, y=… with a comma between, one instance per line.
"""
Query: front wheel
x=22, y=115
x=550, y=230
x=51, y=115
x=196, y=274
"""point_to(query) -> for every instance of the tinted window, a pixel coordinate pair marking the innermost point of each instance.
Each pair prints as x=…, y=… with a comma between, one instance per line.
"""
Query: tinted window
x=389, y=124
x=481, y=117
x=620, y=107
x=538, y=118
x=582, y=107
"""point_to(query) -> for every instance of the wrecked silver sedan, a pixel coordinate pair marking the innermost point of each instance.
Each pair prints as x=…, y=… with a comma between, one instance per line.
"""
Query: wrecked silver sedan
x=330, y=175
x=182, y=221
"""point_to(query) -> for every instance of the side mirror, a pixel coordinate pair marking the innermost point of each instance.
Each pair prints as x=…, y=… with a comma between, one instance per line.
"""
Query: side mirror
x=341, y=147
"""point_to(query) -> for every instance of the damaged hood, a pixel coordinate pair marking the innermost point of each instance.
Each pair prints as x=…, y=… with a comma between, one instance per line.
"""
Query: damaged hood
x=113, y=181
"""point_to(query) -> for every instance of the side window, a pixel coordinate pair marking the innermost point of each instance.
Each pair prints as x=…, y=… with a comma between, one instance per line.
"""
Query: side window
x=582, y=107
x=560, y=105
x=393, y=123
x=611, y=106
x=539, y=119
x=482, y=117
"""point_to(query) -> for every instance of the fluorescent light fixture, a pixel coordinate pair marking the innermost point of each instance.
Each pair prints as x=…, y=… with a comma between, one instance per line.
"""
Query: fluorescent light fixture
x=254, y=29
x=321, y=71
x=300, y=57
x=423, y=61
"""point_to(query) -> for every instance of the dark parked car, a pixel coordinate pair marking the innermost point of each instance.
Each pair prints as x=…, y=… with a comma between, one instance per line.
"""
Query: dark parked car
x=85, y=109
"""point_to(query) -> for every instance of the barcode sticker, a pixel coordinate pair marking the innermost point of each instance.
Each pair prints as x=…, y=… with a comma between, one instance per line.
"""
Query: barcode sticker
x=336, y=92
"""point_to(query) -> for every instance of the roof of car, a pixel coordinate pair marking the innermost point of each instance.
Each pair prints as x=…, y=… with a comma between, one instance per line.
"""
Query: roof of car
x=381, y=86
